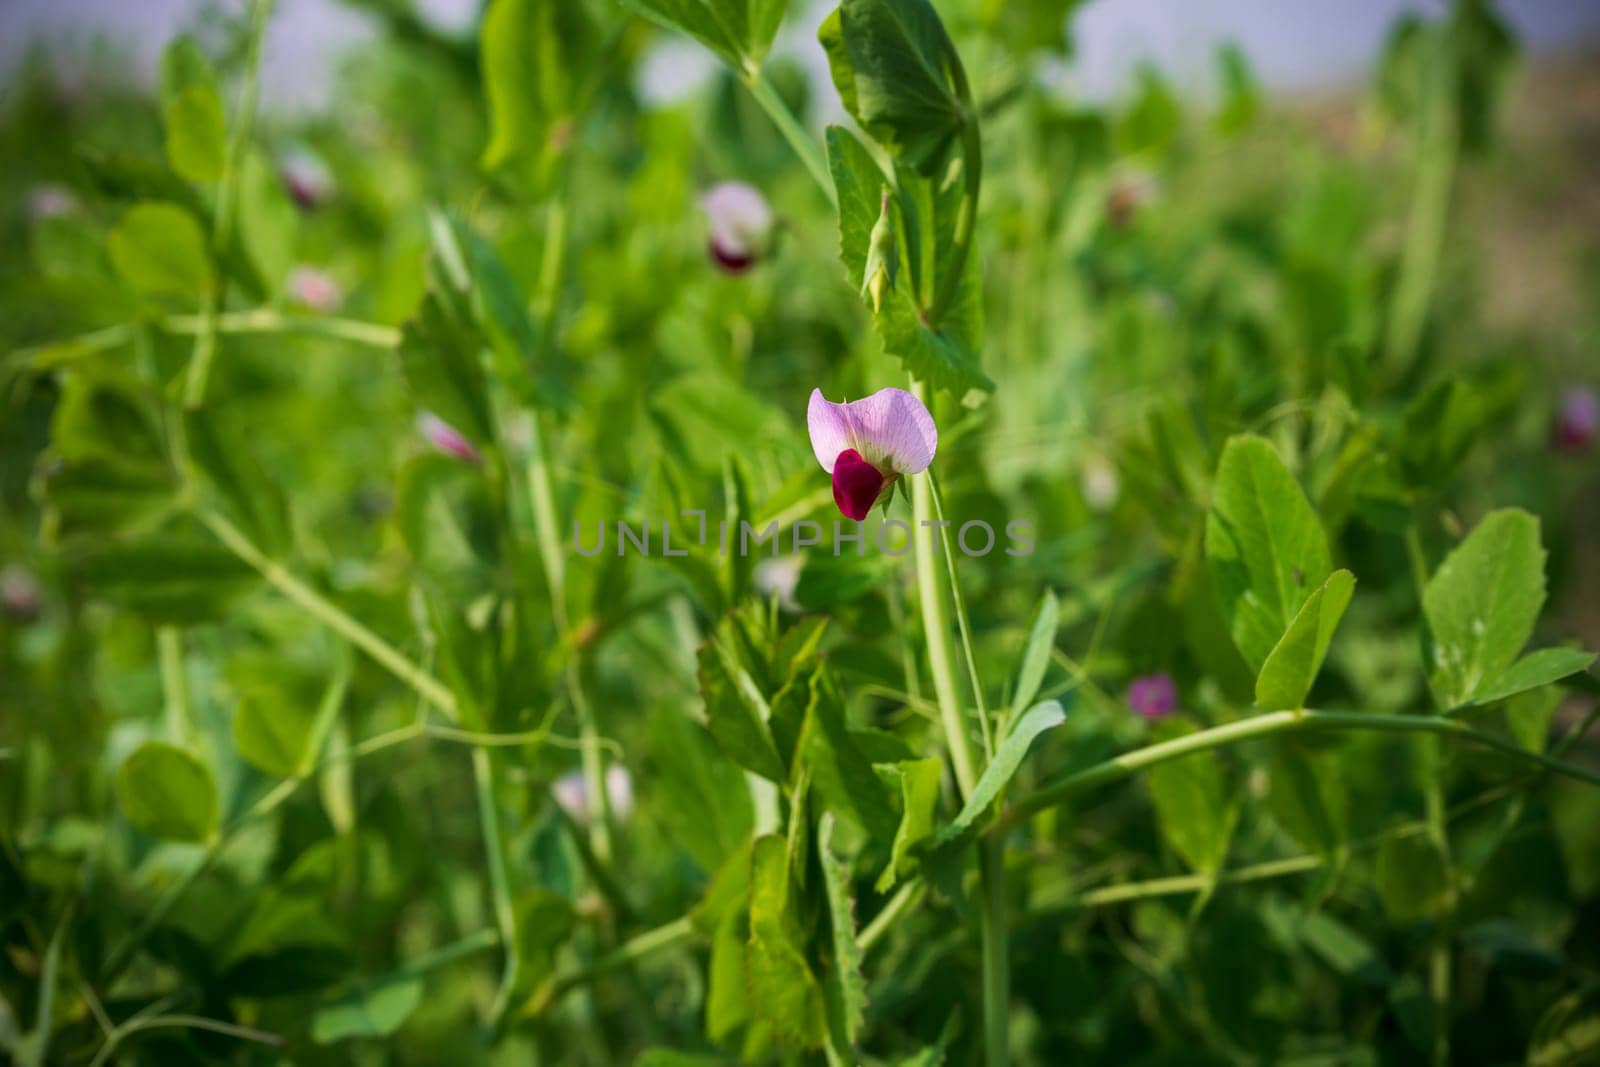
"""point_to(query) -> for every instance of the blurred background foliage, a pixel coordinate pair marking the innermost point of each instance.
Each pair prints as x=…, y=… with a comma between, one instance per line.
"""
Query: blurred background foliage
x=1396, y=285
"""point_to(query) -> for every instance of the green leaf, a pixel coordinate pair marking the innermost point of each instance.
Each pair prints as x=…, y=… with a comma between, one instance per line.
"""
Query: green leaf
x=840, y=771
x=1346, y=951
x=1533, y=670
x=173, y=577
x=168, y=793
x=1264, y=546
x=544, y=921
x=273, y=735
x=1480, y=606
x=1568, y=1034
x=533, y=57
x=859, y=183
x=1307, y=799
x=1241, y=93
x=1292, y=666
x=375, y=1010
x=919, y=799
x=781, y=984
x=265, y=225
x=740, y=31
x=184, y=66
x=1036, y=653
x=251, y=497
x=1007, y=758
x=158, y=248
x=735, y=714
x=1528, y=714
x=439, y=355
x=196, y=134
x=699, y=795
x=1191, y=803
x=843, y=985
x=1411, y=879
x=899, y=76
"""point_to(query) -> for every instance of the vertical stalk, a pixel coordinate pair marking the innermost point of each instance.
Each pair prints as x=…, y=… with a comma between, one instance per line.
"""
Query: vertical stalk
x=963, y=625
x=996, y=972
x=1438, y=146
x=174, y=688
x=936, y=628
x=205, y=342
x=499, y=880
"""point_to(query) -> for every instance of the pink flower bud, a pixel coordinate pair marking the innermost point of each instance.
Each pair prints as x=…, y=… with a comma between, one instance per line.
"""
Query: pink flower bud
x=446, y=438
x=1153, y=696
x=20, y=595
x=1577, y=420
x=315, y=289
x=49, y=201
x=740, y=222
x=306, y=179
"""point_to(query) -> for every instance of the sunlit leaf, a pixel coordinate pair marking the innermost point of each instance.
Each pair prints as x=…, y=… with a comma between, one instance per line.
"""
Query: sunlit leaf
x=168, y=793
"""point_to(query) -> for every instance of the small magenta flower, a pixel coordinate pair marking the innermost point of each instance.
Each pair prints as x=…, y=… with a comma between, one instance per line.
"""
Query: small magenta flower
x=1153, y=696
x=866, y=444
x=315, y=289
x=741, y=225
x=1577, y=420
x=306, y=178
x=446, y=438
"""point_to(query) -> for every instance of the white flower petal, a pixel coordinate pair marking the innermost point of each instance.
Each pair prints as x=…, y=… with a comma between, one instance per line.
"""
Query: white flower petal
x=739, y=217
x=829, y=424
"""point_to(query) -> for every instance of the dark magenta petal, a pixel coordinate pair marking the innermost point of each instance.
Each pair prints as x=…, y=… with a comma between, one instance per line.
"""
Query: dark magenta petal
x=731, y=261
x=856, y=484
x=1154, y=696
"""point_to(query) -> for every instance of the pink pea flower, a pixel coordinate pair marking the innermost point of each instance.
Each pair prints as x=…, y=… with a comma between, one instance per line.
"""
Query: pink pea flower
x=740, y=221
x=20, y=595
x=50, y=201
x=866, y=444
x=1577, y=420
x=1153, y=696
x=315, y=289
x=572, y=793
x=306, y=178
x=446, y=438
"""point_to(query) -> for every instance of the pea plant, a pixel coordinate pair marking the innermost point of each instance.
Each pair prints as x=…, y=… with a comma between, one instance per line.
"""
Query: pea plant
x=427, y=637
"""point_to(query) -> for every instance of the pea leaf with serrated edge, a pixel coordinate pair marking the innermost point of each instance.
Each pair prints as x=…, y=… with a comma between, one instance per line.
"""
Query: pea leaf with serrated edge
x=844, y=989
x=919, y=798
x=168, y=793
x=859, y=183
x=781, y=983
x=1480, y=606
x=159, y=249
x=840, y=771
x=1036, y=653
x=898, y=75
x=736, y=721
x=1191, y=803
x=739, y=31
x=1292, y=666
x=1264, y=545
x=178, y=577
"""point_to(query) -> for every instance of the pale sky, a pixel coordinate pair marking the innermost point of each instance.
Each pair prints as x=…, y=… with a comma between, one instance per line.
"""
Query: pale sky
x=1293, y=44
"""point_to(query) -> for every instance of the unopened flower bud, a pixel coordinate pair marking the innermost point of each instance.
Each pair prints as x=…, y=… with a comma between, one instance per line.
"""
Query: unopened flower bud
x=878, y=276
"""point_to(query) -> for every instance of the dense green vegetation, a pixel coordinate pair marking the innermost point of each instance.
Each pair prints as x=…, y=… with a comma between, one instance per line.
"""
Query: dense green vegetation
x=1257, y=736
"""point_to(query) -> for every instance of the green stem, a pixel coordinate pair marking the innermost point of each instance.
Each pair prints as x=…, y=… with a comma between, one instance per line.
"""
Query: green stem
x=804, y=147
x=1276, y=722
x=669, y=935
x=270, y=320
x=1438, y=146
x=936, y=631
x=996, y=975
x=909, y=896
x=499, y=882
x=205, y=345
x=175, y=691
x=429, y=687
x=1195, y=883
x=182, y=1022
x=963, y=626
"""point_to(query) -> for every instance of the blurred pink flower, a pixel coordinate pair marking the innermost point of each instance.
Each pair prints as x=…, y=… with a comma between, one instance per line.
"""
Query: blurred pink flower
x=572, y=793
x=446, y=438
x=740, y=222
x=1577, y=420
x=306, y=178
x=866, y=444
x=20, y=595
x=315, y=289
x=49, y=201
x=1153, y=696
